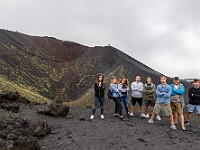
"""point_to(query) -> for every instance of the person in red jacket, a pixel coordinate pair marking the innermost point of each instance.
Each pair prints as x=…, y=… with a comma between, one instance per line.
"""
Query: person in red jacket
x=194, y=101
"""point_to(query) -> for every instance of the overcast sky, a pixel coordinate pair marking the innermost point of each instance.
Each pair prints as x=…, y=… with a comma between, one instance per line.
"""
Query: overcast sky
x=163, y=34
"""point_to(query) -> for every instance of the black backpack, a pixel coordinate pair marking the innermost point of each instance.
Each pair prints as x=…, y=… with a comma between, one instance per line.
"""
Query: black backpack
x=110, y=95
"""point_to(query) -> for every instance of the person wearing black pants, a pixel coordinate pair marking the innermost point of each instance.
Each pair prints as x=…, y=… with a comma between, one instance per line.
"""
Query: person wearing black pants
x=99, y=89
x=116, y=97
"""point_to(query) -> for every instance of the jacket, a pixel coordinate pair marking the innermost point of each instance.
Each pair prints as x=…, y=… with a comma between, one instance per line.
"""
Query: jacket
x=114, y=90
x=194, y=96
x=180, y=92
x=149, y=91
x=99, y=91
x=137, y=89
x=123, y=89
x=163, y=94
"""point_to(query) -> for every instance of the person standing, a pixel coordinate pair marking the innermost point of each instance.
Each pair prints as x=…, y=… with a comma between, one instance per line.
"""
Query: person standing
x=99, y=89
x=163, y=93
x=194, y=101
x=123, y=89
x=149, y=95
x=177, y=101
x=116, y=97
x=137, y=95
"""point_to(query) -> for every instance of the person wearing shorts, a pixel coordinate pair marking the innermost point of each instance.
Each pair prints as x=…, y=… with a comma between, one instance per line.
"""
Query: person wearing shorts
x=137, y=95
x=194, y=101
x=177, y=101
x=163, y=94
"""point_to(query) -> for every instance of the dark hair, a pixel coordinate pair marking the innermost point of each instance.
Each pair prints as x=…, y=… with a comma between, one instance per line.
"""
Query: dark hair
x=196, y=80
x=100, y=74
x=126, y=81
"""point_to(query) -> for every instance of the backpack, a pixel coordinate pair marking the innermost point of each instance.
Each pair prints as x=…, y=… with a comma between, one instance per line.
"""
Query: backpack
x=110, y=95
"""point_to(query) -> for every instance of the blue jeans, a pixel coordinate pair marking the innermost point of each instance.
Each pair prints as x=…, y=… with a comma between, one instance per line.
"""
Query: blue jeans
x=124, y=99
x=97, y=101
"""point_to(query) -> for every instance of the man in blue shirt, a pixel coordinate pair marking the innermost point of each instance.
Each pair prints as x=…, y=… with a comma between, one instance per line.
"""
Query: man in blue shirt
x=163, y=94
x=177, y=101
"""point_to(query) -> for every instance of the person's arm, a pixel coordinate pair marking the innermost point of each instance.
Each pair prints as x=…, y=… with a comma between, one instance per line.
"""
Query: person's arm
x=141, y=87
x=158, y=93
x=133, y=88
x=96, y=89
x=179, y=91
x=120, y=88
x=169, y=92
x=190, y=94
x=114, y=89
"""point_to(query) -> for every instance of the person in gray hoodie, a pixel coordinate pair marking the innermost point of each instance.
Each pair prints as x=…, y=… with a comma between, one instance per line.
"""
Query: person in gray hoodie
x=137, y=95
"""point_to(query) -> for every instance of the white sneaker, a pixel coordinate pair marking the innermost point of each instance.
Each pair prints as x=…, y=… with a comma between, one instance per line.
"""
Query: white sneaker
x=158, y=118
x=147, y=116
x=92, y=117
x=102, y=116
x=143, y=115
x=150, y=121
x=173, y=127
x=131, y=114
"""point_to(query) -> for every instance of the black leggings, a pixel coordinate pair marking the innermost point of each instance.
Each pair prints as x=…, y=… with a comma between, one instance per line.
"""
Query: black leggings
x=118, y=106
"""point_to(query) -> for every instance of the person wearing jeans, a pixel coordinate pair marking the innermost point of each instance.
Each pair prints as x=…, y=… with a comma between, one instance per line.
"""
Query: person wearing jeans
x=99, y=89
x=116, y=97
x=123, y=89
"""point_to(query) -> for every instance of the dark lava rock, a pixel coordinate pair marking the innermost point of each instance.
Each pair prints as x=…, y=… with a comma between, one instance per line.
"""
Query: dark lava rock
x=43, y=129
x=9, y=95
x=56, y=109
x=10, y=107
x=26, y=144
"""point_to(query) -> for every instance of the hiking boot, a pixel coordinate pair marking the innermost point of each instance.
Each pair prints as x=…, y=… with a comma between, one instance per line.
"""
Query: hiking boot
x=147, y=116
x=131, y=114
x=143, y=115
x=92, y=117
x=150, y=121
x=173, y=127
x=102, y=117
x=158, y=118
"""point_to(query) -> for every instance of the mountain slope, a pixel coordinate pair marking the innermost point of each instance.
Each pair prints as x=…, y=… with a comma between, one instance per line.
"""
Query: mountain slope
x=63, y=70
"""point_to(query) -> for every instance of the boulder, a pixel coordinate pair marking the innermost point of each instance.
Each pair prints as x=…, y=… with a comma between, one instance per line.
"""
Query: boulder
x=26, y=144
x=9, y=95
x=10, y=107
x=56, y=109
x=43, y=129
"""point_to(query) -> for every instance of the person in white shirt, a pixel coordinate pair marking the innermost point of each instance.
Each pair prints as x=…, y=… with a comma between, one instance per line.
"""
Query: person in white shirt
x=137, y=95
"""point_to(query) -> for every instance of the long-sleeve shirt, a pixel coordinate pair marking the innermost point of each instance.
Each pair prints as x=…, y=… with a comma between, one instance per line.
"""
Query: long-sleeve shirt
x=137, y=89
x=163, y=94
x=114, y=90
x=123, y=89
x=194, y=96
x=177, y=91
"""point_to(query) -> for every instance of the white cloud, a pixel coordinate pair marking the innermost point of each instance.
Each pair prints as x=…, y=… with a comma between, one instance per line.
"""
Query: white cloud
x=165, y=34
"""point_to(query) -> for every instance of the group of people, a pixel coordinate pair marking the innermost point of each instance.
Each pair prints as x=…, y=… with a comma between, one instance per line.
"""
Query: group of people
x=166, y=98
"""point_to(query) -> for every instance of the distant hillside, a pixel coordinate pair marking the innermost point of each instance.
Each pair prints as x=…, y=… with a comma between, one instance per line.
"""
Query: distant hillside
x=63, y=70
